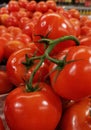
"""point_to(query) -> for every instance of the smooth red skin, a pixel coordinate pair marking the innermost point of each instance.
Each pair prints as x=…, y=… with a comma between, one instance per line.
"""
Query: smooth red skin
x=74, y=13
x=77, y=116
x=51, y=5
x=1, y=124
x=39, y=110
x=73, y=81
x=5, y=84
x=14, y=66
x=4, y=10
x=3, y=29
x=60, y=26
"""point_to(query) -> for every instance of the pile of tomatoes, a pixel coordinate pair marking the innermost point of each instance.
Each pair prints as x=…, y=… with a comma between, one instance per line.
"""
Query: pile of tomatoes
x=45, y=67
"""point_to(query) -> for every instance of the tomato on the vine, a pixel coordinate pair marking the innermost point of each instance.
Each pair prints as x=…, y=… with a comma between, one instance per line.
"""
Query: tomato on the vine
x=37, y=110
x=71, y=79
x=52, y=25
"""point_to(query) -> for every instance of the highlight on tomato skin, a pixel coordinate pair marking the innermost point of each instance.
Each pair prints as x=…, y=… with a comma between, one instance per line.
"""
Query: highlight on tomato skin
x=40, y=109
x=78, y=116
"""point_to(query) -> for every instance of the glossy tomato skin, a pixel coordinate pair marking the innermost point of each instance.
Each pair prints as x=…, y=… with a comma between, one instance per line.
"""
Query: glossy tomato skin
x=73, y=81
x=60, y=26
x=77, y=116
x=1, y=124
x=39, y=110
x=14, y=66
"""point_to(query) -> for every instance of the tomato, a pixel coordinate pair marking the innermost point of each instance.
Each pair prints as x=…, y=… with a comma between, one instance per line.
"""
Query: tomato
x=85, y=30
x=24, y=38
x=77, y=116
x=5, y=85
x=41, y=6
x=16, y=68
x=11, y=21
x=13, y=6
x=72, y=80
x=38, y=110
x=1, y=124
x=74, y=13
x=23, y=3
x=60, y=26
x=31, y=6
x=51, y=5
x=14, y=31
x=12, y=46
x=7, y=36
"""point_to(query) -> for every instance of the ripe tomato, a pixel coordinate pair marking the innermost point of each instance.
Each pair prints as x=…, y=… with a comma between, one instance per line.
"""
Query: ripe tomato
x=38, y=110
x=60, y=26
x=72, y=80
x=1, y=53
x=5, y=85
x=13, y=6
x=31, y=6
x=51, y=5
x=12, y=46
x=16, y=68
x=74, y=13
x=3, y=29
x=41, y=6
x=77, y=117
x=1, y=124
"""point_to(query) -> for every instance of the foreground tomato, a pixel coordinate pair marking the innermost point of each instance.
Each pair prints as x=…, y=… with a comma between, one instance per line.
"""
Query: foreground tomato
x=78, y=116
x=38, y=110
x=1, y=124
x=71, y=79
x=15, y=68
x=52, y=25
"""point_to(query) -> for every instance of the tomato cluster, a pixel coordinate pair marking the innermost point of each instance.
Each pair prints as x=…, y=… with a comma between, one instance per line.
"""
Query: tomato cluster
x=45, y=66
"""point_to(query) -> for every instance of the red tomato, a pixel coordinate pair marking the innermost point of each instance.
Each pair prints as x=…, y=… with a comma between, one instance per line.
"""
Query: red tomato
x=74, y=13
x=8, y=36
x=31, y=6
x=11, y=21
x=23, y=3
x=60, y=26
x=14, y=31
x=72, y=81
x=1, y=124
x=41, y=6
x=13, y=6
x=15, y=66
x=51, y=5
x=77, y=117
x=85, y=30
x=5, y=85
x=12, y=46
x=24, y=38
x=43, y=106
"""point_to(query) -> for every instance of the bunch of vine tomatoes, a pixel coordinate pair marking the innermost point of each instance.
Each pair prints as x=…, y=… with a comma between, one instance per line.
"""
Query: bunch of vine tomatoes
x=45, y=67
